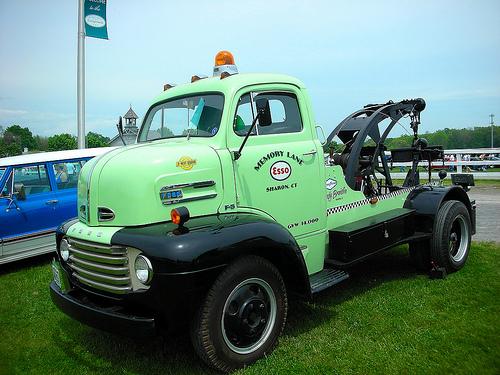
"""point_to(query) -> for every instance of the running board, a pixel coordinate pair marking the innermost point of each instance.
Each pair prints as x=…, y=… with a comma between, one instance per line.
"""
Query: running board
x=326, y=278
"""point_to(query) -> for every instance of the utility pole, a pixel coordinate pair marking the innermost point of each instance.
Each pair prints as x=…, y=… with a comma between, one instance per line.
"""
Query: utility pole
x=81, y=77
x=491, y=123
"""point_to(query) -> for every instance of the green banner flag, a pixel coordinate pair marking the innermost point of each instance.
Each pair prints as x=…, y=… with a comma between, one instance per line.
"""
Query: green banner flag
x=95, y=19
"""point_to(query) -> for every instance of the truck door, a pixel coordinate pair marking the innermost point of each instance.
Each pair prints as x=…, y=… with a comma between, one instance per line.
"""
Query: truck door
x=279, y=168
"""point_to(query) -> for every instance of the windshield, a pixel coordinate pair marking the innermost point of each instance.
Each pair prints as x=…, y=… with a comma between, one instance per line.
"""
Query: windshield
x=198, y=116
x=2, y=171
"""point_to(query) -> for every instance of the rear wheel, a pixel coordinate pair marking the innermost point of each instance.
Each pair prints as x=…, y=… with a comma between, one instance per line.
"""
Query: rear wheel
x=451, y=239
x=242, y=316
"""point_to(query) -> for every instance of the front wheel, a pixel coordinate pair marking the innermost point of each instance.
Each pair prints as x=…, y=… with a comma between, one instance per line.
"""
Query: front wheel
x=450, y=243
x=242, y=315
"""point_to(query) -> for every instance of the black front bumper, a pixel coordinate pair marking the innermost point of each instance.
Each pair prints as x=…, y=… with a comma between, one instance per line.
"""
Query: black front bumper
x=101, y=317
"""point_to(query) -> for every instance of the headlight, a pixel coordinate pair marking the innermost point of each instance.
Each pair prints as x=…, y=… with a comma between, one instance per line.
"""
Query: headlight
x=143, y=269
x=64, y=249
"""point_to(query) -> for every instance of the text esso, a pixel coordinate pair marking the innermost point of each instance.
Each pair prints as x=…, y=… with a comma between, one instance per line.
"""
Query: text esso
x=280, y=170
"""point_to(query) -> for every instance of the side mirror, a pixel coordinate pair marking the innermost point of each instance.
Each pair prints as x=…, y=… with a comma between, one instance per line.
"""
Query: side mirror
x=263, y=111
x=323, y=140
x=119, y=125
x=19, y=191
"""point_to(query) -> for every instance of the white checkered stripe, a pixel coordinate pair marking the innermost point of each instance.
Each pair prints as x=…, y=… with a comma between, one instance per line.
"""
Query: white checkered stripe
x=349, y=206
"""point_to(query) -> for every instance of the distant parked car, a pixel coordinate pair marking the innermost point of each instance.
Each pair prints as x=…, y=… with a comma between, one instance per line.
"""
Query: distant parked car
x=37, y=193
x=479, y=168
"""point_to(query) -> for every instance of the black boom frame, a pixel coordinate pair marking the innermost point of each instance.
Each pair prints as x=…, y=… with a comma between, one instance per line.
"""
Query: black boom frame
x=360, y=160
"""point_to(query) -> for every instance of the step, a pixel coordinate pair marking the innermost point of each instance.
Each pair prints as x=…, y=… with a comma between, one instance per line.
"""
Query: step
x=326, y=278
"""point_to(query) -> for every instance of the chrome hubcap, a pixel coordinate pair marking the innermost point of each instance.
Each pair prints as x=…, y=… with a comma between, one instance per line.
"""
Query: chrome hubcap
x=458, y=239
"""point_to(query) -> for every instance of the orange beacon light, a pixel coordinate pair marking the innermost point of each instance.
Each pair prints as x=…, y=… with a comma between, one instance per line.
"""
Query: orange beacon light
x=224, y=63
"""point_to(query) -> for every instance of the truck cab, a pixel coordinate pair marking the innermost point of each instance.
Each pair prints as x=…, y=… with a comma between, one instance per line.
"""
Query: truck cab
x=226, y=206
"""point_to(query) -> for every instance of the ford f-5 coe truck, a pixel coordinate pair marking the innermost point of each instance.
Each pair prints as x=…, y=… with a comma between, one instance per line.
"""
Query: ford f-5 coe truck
x=227, y=206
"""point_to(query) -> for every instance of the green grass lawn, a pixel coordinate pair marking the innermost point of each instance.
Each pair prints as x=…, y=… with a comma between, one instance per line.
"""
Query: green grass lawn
x=386, y=319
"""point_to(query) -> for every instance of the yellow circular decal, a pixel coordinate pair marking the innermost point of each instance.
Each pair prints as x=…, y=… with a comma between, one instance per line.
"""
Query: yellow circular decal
x=186, y=163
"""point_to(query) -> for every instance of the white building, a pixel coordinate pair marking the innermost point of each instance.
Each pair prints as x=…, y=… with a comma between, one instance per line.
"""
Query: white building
x=130, y=130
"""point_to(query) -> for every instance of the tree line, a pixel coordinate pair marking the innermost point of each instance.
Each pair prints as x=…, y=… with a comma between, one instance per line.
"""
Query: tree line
x=475, y=137
x=14, y=139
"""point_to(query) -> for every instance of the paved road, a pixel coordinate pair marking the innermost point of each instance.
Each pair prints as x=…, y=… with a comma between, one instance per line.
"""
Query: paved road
x=488, y=213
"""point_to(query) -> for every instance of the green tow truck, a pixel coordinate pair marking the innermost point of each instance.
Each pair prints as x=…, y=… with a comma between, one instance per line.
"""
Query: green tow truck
x=227, y=206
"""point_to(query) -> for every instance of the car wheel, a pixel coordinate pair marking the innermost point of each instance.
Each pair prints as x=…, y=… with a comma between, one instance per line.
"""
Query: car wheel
x=242, y=315
x=451, y=239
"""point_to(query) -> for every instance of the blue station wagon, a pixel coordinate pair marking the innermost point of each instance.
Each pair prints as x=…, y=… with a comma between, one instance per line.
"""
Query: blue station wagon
x=37, y=193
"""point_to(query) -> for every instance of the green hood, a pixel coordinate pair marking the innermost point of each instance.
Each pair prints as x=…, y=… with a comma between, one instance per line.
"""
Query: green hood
x=128, y=182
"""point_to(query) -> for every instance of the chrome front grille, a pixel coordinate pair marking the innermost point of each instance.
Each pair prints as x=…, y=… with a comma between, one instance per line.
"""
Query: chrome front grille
x=103, y=267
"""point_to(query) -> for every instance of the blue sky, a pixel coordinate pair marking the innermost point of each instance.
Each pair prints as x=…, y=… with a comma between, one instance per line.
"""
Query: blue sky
x=347, y=53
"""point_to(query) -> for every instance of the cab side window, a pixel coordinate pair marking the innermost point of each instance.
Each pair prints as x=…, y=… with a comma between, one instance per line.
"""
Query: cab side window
x=34, y=179
x=67, y=174
x=285, y=114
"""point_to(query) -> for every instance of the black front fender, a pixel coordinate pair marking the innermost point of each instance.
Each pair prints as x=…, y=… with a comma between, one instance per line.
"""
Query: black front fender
x=214, y=241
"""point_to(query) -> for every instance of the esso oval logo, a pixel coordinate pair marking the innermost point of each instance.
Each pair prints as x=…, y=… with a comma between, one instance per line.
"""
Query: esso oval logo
x=280, y=170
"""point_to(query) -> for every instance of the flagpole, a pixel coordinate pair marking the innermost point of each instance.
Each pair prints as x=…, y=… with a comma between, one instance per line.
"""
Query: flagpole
x=81, y=77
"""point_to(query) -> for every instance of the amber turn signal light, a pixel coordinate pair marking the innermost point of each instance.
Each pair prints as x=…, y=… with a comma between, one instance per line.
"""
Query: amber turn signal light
x=179, y=215
x=197, y=78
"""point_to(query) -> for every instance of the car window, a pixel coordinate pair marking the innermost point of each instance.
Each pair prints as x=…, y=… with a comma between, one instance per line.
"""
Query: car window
x=285, y=114
x=67, y=174
x=34, y=179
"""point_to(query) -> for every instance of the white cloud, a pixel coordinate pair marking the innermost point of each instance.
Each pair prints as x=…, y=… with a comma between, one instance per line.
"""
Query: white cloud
x=4, y=112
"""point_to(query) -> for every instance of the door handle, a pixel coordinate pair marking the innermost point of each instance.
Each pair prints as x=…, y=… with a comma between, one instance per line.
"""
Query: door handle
x=312, y=152
x=52, y=201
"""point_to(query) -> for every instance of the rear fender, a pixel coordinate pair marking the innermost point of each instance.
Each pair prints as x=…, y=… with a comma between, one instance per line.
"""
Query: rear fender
x=426, y=201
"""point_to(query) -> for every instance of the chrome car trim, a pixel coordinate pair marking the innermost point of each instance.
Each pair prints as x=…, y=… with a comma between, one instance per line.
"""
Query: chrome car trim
x=27, y=236
x=100, y=266
x=190, y=199
x=195, y=185
x=105, y=214
x=104, y=287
